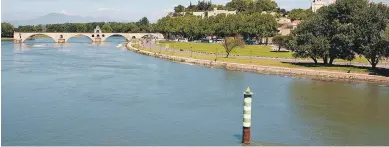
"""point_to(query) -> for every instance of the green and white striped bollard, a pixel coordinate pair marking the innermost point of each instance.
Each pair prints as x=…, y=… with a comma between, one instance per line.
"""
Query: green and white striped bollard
x=247, y=116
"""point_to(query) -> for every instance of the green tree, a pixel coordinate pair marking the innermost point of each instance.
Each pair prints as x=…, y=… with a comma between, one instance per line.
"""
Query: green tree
x=7, y=30
x=335, y=25
x=80, y=27
x=106, y=28
x=265, y=5
x=281, y=41
x=311, y=40
x=179, y=9
x=370, y=41
x=300, y=14
x=240, y=5
x=385, y=33
x=230, y=43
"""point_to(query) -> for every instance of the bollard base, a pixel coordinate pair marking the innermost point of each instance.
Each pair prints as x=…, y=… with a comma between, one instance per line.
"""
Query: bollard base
x=246, y=135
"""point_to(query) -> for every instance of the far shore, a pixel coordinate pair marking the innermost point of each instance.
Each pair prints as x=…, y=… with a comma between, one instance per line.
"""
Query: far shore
x=6, y=38
x=325, y=75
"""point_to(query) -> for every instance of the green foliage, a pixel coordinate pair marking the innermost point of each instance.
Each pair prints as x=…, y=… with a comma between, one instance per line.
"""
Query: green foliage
x=281, y=41
x=189, y=26
x=7, y=30
x=342, y=31
x=204, y=5
x=370, y=41
x=385, y=34
x=230, y=43
x=300, y=14
x=252, y=6
x=142, y=26
x=179, y=8
x=106, y=28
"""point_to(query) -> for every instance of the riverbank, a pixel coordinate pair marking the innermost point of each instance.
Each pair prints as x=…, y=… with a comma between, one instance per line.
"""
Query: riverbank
x=297, y=72
x=254, y=51
x=5, y=38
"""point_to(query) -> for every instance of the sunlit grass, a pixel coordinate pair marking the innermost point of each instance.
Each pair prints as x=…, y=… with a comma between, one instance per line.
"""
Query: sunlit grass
x=350, y=69
x=248, y=50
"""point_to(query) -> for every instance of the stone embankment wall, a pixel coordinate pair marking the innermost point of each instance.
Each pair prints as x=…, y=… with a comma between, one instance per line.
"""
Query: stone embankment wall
x=296, y=72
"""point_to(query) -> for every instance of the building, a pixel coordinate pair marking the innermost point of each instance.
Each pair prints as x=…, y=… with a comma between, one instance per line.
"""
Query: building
x=317, y=4
x=271, y=13
x=207, y=13
x=383, y=3
x=295, y=23
x=201, y=14
x=283, y=20
x=286, y=28
x=217, y=12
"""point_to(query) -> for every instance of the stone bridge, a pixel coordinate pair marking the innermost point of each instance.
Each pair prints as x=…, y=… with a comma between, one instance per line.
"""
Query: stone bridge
x=20, y=37
x=97, y=36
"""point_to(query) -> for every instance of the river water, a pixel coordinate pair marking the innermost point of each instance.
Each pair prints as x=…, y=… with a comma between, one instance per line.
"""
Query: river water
x=88, y=94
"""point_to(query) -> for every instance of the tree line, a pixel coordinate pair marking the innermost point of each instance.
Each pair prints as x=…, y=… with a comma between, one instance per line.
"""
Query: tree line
x=253, y=25
x=344, y=30
x=247, y=6
x=142, y=26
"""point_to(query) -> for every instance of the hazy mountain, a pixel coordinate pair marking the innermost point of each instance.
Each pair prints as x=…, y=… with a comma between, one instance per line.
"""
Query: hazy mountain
x=55, y=18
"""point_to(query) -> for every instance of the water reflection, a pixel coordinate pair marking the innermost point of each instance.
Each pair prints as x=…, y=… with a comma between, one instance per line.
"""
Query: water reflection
x=342, y=114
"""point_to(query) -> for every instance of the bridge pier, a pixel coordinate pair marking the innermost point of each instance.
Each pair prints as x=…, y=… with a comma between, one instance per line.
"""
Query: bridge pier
x=61, y=41
x=18, y=41
x=98, y=40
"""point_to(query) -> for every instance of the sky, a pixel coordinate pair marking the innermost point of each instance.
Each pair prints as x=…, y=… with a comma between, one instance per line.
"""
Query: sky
x=127, y=10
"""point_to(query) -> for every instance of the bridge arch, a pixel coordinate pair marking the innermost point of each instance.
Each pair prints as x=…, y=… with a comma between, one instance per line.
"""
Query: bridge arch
x=25, y=37
x=106, y=36
x=76, y=35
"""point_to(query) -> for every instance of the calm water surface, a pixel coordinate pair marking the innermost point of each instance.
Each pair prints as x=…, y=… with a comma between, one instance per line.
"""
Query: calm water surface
x=87, y=94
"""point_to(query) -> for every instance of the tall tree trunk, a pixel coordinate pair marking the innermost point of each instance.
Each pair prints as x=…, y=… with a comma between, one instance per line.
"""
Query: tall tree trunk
x=331, y=60
x=374, y=61
x=374, y=65
x=325, y=60
x=228, y=54
x=279, y=48
x=314, y=59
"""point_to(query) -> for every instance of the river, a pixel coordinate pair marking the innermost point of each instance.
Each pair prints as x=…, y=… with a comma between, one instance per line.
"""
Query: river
x=86, y=94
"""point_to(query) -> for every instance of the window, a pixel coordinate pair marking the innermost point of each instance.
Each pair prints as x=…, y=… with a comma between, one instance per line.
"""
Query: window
x=93, y=35
x=61, y=36
x=103, y=35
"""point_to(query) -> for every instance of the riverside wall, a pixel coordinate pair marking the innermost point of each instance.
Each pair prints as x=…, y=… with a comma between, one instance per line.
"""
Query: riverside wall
x=295, y=72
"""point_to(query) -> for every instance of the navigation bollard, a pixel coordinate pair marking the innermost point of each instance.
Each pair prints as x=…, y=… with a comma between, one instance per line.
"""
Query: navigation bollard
x=247, y=116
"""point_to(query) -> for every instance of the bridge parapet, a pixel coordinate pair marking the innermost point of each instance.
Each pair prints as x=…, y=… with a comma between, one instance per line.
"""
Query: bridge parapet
x=59, y=37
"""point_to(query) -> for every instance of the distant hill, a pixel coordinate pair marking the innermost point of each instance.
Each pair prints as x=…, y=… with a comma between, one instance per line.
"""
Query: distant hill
x=55, y=18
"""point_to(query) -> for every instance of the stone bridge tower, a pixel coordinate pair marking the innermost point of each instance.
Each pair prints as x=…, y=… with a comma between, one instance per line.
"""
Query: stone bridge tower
x=97, y=36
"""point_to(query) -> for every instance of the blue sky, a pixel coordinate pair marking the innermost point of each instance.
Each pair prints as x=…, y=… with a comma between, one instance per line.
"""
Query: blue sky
x=116, y=9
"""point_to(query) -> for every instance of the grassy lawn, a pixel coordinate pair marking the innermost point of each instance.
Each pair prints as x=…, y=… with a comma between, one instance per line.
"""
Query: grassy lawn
x=352, y=69
x=248, y=50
